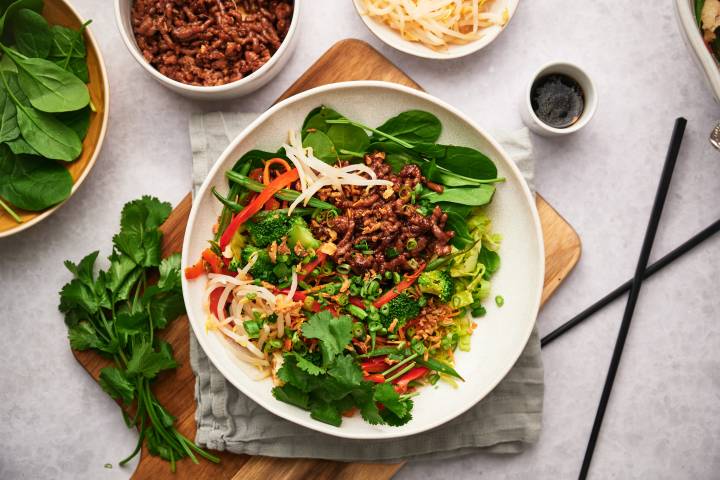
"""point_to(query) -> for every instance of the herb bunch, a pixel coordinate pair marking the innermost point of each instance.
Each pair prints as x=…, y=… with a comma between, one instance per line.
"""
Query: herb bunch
x=44, y=106
x=117, y=313
x=330, y=383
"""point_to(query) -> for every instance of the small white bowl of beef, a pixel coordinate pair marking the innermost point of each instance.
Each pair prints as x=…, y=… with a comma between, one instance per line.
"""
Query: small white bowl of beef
x=209, y=49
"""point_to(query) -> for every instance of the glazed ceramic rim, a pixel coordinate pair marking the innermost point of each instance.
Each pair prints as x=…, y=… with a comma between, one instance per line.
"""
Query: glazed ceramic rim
x=129, y=40
x=398, y=43
x=98, y=145
x=513, y=172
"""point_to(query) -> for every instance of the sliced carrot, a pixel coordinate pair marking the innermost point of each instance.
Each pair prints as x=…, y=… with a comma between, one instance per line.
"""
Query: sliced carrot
x=195, y=271
x=271, y=162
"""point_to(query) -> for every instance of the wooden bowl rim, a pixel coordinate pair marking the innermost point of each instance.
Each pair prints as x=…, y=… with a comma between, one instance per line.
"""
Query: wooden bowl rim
x=98, y=145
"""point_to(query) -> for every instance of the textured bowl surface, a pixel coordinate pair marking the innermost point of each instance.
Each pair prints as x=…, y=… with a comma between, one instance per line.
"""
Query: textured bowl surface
x=393, y=38
x=58, y=12
x=500, y=336
x=692, y=36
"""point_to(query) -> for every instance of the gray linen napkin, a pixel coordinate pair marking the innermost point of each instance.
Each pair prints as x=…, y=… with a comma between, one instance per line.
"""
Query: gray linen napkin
x=505, y=421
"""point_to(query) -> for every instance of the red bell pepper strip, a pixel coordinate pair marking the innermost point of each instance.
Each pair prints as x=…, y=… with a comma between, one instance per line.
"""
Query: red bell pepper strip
x=374, y=365
x=394, y=292
x=414, y=374
x=375, y=377
x=215, y=300
x=256, y=205
x=357, y=301
x=196, y=270
x=215, y=262
x=307, y=269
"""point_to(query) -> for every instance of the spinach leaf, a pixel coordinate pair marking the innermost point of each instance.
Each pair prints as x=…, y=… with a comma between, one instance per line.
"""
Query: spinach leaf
x=32, y=183
x=439, y=175
x=43, y=132
x=32, y=34
x=322, y=146
x=20, y=146
x=350, y=141
x=12, y=8
x=48, y=87
x=490, y=259
x=414, y=126
x=396, y=155
x=315, y=120
x=79, y=121
x=476, y=196
x=9, y=129
x=255, y=158
x=68, y=50
x=464, y=161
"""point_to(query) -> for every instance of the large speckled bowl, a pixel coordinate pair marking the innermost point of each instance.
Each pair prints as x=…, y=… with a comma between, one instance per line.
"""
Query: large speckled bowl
x=684, y=11
x=500, y=336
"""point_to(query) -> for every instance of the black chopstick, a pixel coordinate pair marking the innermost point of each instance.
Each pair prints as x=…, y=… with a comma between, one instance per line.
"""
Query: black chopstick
x=660, y=196
x=678, y=252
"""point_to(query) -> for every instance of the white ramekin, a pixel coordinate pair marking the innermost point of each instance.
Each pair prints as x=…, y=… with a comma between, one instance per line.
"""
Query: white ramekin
x=230, y=90
x=590, y=96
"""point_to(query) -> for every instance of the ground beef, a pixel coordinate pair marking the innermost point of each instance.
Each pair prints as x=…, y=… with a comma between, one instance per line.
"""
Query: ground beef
x=383, y=222
x=209, y=42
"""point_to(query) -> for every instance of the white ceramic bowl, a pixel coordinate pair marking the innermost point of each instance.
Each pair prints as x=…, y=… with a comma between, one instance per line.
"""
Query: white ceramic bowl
x=393, y=38
x=239, y=88
x=692, y=36
x=500, y=336
x=589, y=92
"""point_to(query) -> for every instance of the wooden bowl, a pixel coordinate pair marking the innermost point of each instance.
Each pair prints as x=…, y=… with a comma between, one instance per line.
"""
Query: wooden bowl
x=58, y=12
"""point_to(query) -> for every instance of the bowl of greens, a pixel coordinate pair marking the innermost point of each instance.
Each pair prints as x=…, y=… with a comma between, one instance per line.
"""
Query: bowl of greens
x=363, y=260
x=54, y=103
x=699, y=22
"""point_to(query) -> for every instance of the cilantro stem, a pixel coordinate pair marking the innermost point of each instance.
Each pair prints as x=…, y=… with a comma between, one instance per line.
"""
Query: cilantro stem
x=10, y=211
x=399, y=364
x=141, y=437
x=400, y=373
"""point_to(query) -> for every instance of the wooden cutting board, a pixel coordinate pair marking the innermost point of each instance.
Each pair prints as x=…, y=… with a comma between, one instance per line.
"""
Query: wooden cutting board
x=346, y=60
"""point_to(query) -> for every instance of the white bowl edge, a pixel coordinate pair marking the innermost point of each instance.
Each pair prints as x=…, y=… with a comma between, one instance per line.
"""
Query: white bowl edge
x=302, y=418
x=693, y=39
x=393, y=39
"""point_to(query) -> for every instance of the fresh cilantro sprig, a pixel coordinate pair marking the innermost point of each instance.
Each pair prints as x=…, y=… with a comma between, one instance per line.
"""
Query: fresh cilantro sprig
x=117, y=313
x=332, y=383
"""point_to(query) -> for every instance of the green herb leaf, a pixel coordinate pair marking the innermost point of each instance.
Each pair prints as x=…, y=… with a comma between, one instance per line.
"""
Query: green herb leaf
x=413, y=126
x=326, y=413
x=19, y=147
x=82, y=336
x=32, y=34
x=346, y=371
x=306, y=365
x=334, y=333
x=14, y=7
x=148, y=363
x=139, y=238
x=292, y=395
x=116, y=384
x=32, y=183
x=315, y=120
x=78, y=121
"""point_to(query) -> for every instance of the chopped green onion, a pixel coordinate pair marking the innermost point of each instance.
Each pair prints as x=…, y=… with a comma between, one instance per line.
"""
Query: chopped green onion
x=499, y=301
x=356, y=311
x=343, y=268
x=411, y=244
x=391, y=253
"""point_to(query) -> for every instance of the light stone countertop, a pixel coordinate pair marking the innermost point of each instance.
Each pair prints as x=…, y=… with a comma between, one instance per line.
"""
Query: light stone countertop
x=663, y=421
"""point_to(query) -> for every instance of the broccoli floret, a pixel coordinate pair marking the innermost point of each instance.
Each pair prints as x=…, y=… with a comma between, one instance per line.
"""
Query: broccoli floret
x=403, y=307
x=437, y=282
x=300, y=232
x=270, y=228
x=262, y=269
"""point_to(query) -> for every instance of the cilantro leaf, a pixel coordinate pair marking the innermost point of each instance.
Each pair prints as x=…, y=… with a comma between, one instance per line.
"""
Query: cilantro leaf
x=396, y=411
x=305, y=364
x=334, y=333
x=292, y=374
x=291, y=395
x=149, y=363
x=129, y=323
x=170, y=273
x=139, y=237
x=82, y=336
x=165, y=307
x=147, y=213
x=122, y=275
x=346, y=371
x=326, y=413
x=368, y=408
x=116, y=384
x=83, y=271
